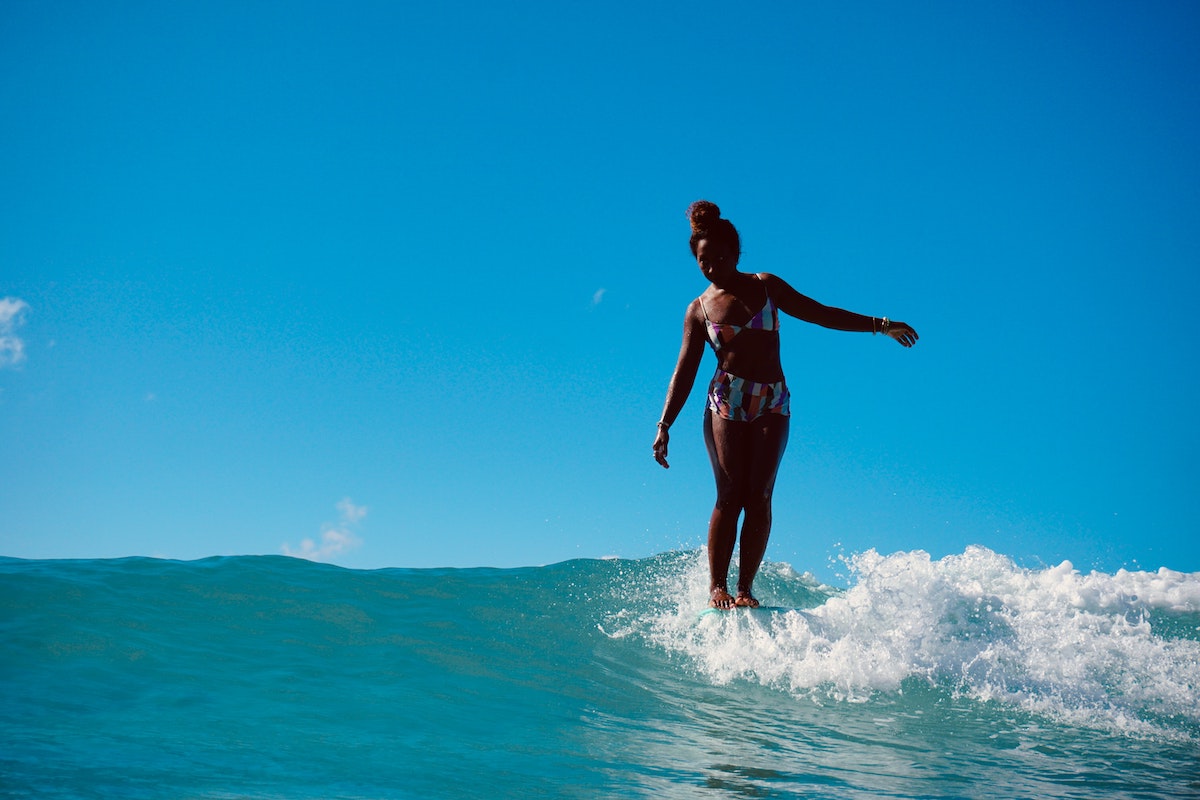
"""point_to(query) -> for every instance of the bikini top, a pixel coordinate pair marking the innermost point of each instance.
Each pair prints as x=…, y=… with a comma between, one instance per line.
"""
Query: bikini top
x=721, y=334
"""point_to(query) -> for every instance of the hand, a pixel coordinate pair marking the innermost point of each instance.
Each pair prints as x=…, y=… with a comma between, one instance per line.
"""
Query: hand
x=903, y=333
x=660, y=447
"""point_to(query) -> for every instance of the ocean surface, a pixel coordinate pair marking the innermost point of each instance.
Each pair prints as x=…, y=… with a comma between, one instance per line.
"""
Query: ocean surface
x=272, y=677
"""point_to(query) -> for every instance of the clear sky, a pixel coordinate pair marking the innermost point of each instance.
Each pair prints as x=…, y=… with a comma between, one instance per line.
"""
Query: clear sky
x=402, y=285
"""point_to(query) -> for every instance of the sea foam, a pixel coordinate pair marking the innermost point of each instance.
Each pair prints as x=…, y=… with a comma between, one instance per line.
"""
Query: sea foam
x=1113, y=651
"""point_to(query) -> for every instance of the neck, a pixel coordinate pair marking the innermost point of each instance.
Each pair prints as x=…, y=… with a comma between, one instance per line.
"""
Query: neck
x=734, y=283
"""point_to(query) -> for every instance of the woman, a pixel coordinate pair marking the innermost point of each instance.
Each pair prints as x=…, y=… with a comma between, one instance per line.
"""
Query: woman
x=746, y=413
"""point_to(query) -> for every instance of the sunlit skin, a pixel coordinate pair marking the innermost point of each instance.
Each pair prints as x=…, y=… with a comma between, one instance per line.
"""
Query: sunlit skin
x=745, y=456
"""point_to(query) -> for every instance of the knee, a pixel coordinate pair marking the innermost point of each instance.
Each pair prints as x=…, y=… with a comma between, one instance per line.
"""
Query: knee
x=758, y=504
x=730, y=500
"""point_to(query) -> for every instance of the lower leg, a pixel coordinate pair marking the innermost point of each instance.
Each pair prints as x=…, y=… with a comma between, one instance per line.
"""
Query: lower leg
x=756, y=531
x=722, y=532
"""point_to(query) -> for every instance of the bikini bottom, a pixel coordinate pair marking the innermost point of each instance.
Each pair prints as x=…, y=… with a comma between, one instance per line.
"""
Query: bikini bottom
x=740, y=400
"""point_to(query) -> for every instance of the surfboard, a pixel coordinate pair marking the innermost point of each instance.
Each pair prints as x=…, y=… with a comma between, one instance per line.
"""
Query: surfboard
x=708, y=612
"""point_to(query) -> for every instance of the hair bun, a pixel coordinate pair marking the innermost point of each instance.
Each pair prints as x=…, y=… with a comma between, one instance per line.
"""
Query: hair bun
x=703, y=214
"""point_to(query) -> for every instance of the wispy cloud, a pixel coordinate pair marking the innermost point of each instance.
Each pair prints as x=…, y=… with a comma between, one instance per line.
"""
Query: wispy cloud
x=598, y=296
x=12, y=317
x=336, y=538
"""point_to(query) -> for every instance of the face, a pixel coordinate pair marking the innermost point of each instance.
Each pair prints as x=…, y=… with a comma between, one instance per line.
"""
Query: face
x=716, y=260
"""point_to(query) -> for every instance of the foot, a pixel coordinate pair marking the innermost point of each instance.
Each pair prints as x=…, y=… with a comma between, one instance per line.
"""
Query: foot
x=721, y=598
x=746, y=600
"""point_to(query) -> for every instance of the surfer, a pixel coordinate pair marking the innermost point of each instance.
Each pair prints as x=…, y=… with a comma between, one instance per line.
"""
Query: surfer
x=748, y=405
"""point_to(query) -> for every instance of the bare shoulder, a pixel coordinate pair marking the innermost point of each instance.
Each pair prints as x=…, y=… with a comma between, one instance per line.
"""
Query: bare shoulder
x=775, y=284
x=790, y=301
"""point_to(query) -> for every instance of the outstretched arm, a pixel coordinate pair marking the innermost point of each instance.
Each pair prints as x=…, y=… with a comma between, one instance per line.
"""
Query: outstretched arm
x=690, y=353
x=803, y=307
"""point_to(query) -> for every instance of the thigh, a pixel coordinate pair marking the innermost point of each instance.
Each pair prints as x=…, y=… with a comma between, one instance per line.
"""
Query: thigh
x=730, y=450
x=768, y=438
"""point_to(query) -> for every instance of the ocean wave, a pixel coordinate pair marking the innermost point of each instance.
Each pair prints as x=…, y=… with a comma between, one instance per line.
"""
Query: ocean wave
x=269, y=676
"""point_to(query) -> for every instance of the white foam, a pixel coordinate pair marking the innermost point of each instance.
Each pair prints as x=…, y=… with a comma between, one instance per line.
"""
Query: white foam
x=1080, y=647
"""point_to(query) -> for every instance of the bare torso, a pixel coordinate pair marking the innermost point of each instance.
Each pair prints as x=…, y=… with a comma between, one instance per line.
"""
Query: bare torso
x=752, y=354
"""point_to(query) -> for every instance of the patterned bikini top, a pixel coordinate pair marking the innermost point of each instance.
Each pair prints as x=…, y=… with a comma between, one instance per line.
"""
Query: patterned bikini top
x=721, y=334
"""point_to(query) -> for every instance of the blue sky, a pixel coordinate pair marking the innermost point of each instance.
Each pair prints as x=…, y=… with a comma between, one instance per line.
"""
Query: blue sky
x=400, y=285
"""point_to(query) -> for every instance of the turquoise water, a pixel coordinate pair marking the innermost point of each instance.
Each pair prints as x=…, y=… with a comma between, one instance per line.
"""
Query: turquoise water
x=270, y=677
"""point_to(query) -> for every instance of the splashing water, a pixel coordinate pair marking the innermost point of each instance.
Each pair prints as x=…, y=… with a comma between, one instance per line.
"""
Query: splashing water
x=1118, y=652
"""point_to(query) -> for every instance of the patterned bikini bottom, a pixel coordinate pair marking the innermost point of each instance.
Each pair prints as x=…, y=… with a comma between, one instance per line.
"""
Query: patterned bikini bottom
x=740, y=400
